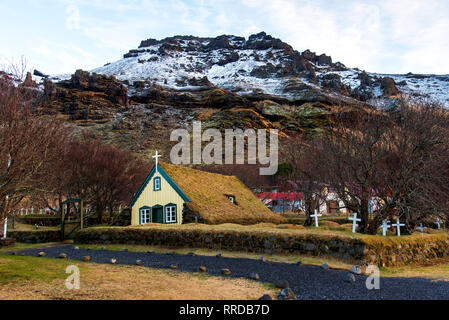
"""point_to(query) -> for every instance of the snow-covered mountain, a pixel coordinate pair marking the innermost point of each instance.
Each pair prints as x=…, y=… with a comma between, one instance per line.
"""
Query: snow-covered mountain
x=226, y=82
x=261, y=65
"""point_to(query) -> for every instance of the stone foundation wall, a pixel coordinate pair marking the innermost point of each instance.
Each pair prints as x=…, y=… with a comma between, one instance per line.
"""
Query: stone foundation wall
x=35, y=236
x=8, y=242
x=407, y=250
x=381, y=252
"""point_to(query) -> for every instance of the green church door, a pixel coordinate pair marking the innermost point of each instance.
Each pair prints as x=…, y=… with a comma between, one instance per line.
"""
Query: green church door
x=157, y=215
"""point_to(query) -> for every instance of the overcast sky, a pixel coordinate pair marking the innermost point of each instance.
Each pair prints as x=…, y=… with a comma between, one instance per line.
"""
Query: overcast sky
x=396, y=36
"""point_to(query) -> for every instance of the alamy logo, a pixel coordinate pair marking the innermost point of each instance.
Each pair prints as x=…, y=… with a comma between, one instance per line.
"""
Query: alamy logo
x=212, y=153
x=73, y=280
x=373, y=281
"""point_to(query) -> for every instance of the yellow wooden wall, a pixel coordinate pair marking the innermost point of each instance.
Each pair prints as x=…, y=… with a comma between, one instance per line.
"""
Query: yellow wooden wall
x=150, y=198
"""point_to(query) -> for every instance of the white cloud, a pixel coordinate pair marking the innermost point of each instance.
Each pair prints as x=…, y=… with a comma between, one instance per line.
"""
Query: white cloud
x=381, y=36
x=56, y=58
x=73, y=17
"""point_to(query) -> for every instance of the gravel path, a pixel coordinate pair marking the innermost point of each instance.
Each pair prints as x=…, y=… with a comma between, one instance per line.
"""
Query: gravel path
x=308, y=282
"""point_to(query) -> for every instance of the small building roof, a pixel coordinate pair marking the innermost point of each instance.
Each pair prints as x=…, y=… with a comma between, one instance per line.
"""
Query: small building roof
x=291, y=196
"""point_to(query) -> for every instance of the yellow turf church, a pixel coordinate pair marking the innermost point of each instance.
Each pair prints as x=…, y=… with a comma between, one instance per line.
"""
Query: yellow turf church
x=173, y=194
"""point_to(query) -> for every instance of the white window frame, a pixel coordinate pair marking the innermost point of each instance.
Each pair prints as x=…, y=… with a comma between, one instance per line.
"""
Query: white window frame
x=145, y=215
x=170, y=214
x=157, y=187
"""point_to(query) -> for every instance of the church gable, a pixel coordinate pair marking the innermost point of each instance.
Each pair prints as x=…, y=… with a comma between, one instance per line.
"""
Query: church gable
x=158, y=180
x=158, y=200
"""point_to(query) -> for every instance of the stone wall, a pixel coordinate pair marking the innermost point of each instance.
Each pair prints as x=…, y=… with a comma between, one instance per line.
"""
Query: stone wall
x=379, y=251
x=35, y=236
x=8, y=242
x=407, y=250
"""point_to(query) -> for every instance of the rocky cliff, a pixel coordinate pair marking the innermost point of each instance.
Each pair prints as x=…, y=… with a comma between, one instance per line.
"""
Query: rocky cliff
x=227, y=82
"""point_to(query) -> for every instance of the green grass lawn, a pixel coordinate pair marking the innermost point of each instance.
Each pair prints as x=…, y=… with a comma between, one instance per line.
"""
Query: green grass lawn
x=15, y=268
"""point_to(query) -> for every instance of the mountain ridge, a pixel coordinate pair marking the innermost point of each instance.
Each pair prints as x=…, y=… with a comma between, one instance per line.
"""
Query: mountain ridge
x=254, y=65
x=226, y=82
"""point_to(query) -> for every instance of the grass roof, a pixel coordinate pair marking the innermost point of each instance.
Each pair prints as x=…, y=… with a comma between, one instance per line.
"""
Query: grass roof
x=209, y=193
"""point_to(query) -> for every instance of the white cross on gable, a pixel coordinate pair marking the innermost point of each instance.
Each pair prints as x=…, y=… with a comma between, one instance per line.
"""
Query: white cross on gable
x=316, y=215
x=385, y=227
x=398, y=226
x=354, y=221
x=156, y=156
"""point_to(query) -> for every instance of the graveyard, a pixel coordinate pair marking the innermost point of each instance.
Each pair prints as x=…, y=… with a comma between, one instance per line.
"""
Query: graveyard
x=327, y=260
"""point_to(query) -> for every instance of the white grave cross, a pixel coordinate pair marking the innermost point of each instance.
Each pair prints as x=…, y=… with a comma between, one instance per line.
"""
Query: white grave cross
x=354, y=221
x=421, y=228
x=385, y=227
x=398, y=226
x=5, y=228
x=438, y=223
x=156, y=156
x=316, y=215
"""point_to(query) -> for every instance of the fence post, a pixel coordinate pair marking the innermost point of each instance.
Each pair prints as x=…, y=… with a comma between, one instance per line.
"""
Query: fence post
x=82, y=216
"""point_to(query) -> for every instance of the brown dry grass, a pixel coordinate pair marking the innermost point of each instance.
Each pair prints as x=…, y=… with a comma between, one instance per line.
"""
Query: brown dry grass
x=108, y=282
x=30, y=227
x=438, y=269
x=332, y=224
x=291, y=226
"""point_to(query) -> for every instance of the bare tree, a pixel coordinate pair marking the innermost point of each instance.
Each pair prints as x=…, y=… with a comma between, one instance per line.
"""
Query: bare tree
x=112, y=176
x=101, y=175
x=28, y=140
x=306, y=174
x=397, y=158
x=415, y=175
